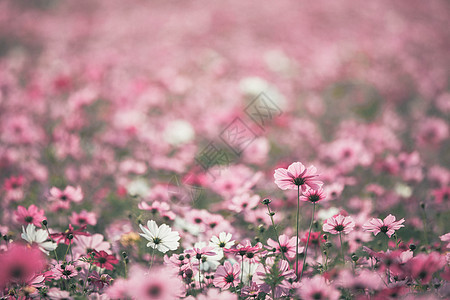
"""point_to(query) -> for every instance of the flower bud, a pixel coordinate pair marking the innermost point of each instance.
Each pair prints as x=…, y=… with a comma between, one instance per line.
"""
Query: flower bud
x=266, y=201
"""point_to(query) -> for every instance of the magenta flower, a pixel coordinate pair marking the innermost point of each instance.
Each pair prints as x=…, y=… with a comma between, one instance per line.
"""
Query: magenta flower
x=388, y=225
x=226, y=275
x=338, y=224
x=32, y=215
x=104, y=260
x=69, y=234
x=313, y=196
x=295, y=176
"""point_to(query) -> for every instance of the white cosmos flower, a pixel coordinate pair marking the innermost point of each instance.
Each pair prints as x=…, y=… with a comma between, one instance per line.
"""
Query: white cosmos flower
x=40, y=237
x=222, y=241
x=161, y=238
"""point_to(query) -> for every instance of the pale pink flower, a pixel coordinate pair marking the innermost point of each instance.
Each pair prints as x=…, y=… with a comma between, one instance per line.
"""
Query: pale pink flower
x=69, y=194
x=159, y=284
x=82, y=218
x=226, y=275
x=317, y=288
x=313, y=196
x=64, y=271
x=338, y=224
x=287, y=245
x=296, y=175
x=388, y=225
x=85, y=244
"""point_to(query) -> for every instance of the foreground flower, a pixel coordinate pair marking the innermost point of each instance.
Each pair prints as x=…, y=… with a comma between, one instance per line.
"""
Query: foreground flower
x=161, y=238
x=159, y=284
x=338, y=224
x=104, y=260
x=20, y=263
x=387, y=226
x=226, y=275
x=316, y=288
x=39, y=237
x=297, y=176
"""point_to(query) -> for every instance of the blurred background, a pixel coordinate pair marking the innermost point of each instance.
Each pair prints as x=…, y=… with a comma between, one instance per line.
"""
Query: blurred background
x=87, y=86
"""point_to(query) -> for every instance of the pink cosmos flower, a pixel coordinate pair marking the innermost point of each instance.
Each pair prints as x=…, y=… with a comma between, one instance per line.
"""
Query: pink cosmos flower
x=317, y=288
x=32, y=215
x=104, y=260
x=287, y=245
x=69, y=194
x=441, y=195
x=86, y=244
x=313, y=196
x=315, y=240
x=423, y=266
x=199, y=252
x=338, y=224
x=296, y=175
x=65, y=271
x=284, y=273
x=226, y=275
x=388, y=225
x=159, y=284
x=69, y=234
x=20, y=263
x=82, y=218
x=14, y=188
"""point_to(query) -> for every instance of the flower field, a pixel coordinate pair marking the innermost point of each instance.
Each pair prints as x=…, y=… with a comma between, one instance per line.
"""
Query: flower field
x=224, y=150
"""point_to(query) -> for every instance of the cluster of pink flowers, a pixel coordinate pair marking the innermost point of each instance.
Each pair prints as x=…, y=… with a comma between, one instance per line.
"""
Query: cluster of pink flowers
x=224, y=150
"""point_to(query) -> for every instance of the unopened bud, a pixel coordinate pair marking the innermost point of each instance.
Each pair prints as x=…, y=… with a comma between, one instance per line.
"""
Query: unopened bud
x=266, y=201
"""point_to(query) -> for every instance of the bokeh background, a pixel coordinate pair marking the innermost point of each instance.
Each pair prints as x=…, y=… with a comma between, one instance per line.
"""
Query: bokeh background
x=120, y=96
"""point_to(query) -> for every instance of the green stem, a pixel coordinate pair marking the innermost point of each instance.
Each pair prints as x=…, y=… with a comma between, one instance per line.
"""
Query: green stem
x=85, y=280
x=242, y=269
x=276, y=233
x=307, y=242
x=153, y=257
x=200, y=273
x=342, y=248
x=67, y=251
x=54, y=251
x=296, y=246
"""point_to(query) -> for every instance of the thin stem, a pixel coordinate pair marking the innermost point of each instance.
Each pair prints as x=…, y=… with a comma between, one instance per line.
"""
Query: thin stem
x=54, y=251
x=242, y=269
x=87, y=275
x=276, y=233
x=425, y=223
x=67, y=251
x=200, y=273
x=296, y=246
x=153, y=257
x=307, y=242
x=342, y=248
